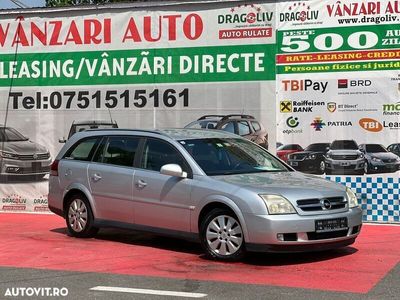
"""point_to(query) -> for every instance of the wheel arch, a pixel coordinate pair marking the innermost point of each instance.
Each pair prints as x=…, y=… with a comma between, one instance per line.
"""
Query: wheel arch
x=79, y=189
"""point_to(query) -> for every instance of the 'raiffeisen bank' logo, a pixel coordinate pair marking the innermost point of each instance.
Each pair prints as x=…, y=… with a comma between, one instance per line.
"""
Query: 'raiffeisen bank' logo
x=248, y=21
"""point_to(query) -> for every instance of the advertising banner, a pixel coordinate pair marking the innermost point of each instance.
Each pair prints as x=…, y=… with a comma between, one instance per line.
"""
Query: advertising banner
x=338, y=87
x=152, y=67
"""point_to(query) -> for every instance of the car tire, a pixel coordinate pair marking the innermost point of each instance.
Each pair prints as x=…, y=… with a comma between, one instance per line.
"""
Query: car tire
x=79, y=217
x=221, y=235
x=321, y=167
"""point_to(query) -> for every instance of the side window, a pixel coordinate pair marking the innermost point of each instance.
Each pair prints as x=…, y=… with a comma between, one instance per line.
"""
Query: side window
x=244, y=128
x=82, y=150
x=117, y=150
x=256, y=126
x=157, y=153
x=229, y=127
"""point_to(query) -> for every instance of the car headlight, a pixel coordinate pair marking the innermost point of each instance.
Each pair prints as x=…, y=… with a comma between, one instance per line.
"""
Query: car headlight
x=312, y=156
x=278, y=205
x=327, y=155
x=352, y=198
x=8, y=155
x=361, y=156
x=376, y=159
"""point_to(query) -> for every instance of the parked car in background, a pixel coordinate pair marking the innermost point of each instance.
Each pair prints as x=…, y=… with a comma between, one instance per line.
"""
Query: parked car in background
x=212, y=186
x=20, y=156
x=283, y=151
x=311, y=160
x=344, y=157
x=378, y=159
x=394, y=148
x=85, y=125
x=244, y=125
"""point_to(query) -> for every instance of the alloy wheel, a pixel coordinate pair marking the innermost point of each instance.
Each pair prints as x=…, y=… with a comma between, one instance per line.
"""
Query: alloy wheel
x=77, y=215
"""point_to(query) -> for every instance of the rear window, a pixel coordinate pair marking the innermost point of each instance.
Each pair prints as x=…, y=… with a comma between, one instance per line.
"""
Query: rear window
x=82, y=150
x=256, y=126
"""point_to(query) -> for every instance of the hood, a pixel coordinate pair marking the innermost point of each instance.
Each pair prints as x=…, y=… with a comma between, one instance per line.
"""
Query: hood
x=345, y=152
x=292, y=185
x=24, y=147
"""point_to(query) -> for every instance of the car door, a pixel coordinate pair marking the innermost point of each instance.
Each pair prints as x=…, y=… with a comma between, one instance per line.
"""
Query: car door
x=160, y=200
x=111, y=175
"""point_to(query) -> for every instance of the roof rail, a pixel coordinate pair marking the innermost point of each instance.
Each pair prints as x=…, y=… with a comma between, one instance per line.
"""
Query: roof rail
x=127, y=129
x=210, y=116
x=237, y=115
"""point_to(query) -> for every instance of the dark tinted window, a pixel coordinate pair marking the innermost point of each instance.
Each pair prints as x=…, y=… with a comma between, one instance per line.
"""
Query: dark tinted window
x=244, y=128
x=117, y=150
x=320, y=147
x=345, y=144
x=83, y=150
x=374, y=148
x=157, y=153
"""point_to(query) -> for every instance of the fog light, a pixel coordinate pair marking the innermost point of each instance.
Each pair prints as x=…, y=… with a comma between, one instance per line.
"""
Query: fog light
x=280, y=237
x=12, y=169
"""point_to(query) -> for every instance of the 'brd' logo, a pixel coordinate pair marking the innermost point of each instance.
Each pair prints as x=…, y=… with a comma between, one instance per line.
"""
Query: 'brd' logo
x=248, y=21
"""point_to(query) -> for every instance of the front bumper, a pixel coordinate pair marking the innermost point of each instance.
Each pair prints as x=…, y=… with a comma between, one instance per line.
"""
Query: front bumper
x=309, y=165
x=383, y=167
x=24, y=167
x=300, y=232
x=343, y=165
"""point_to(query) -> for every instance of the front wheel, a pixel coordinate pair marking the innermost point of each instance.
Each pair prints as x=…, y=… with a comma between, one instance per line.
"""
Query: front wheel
x=221, y=235
x=321, y=167
x=80, y=217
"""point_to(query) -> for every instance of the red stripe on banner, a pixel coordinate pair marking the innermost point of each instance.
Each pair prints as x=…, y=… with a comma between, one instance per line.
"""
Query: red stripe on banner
x=39, y=241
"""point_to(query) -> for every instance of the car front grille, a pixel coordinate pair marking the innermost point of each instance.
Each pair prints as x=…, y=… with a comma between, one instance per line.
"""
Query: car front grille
x=39, y=156
x=389, y=160
x=298, y=156
x=344, y=157
x=316, y=204
x=312, y=236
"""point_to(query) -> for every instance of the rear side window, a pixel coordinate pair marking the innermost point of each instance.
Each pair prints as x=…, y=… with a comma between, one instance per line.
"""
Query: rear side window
x=83, y=150
x=229, y=127
x=256, y=126
x=244, y=128
x=117, y=150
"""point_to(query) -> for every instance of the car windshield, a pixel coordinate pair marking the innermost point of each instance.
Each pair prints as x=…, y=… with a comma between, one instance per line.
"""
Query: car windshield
x=346, y=145
x=8, y=134
x=222, y=156
x=290, y=147
x=374, y=148
x=317, y=147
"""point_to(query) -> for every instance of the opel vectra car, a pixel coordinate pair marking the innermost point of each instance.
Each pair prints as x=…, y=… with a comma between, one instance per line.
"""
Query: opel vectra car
x=225, y=191
x=378, y=159
x=244, y=125
x=20, y=156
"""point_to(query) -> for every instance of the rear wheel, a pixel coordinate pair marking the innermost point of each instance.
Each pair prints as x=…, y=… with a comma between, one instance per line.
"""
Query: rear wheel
x=80, y=217
x=221, y=235
x=321, y=167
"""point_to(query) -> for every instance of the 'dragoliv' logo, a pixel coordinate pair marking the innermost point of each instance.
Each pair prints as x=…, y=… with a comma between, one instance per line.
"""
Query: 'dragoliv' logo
x=299, y=11
x=245, y=14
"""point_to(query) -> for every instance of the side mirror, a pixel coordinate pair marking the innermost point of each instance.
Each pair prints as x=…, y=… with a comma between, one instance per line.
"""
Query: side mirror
x=173, y=170
x=62, y=140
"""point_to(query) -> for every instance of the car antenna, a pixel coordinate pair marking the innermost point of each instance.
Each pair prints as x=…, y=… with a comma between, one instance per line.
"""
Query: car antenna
x=109, y=112
x=19, y=18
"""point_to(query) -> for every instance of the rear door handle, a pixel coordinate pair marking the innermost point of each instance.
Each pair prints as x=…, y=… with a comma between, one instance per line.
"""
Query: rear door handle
x=141, y=184
x=96, y=177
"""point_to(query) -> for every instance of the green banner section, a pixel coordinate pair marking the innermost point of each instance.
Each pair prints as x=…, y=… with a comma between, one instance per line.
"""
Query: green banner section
x=339, y=39
x=197, y=64
x=339, y=67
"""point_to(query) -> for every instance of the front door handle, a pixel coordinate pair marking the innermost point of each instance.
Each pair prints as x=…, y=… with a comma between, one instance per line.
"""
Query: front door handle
x=96, y=177
x=141, y=184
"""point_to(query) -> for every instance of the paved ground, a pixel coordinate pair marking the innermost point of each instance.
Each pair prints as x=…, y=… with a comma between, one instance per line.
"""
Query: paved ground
x=36, y=252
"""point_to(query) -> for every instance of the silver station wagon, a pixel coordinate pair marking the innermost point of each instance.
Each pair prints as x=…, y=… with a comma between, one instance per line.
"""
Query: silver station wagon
x=225, y=191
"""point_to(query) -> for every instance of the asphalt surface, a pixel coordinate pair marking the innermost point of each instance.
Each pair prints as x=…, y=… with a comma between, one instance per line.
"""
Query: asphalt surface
x=79, y=285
